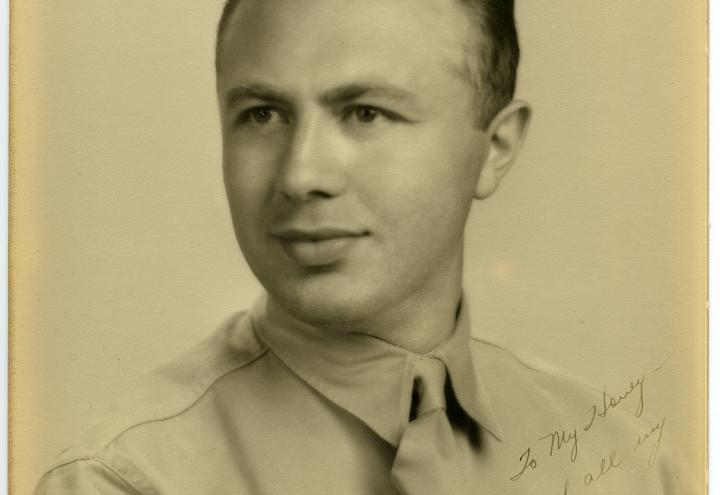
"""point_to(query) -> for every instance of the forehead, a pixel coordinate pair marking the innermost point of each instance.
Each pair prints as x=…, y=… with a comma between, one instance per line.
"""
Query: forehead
x=339, y=38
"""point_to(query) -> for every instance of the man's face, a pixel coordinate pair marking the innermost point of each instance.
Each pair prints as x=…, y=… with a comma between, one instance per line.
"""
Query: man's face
x=350, y=154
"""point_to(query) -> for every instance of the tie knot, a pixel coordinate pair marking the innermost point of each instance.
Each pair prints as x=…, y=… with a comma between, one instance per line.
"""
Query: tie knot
x=430, y=375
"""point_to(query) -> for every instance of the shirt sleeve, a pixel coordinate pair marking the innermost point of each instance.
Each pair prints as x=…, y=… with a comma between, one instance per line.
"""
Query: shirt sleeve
x=88, y=477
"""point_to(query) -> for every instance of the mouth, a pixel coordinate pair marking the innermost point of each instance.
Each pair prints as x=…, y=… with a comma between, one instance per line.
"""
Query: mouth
x=318, y=246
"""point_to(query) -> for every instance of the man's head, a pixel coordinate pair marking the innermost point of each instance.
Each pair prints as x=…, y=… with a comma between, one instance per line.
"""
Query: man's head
x=493, y=53
x=352, y=152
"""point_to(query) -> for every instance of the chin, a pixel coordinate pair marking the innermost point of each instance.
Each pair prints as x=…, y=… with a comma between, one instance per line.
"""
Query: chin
x=329, y=305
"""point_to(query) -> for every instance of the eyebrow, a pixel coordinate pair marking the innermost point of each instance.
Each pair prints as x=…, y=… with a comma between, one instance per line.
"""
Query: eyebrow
x=335, y=96
x=349, y=92
x=264, y=92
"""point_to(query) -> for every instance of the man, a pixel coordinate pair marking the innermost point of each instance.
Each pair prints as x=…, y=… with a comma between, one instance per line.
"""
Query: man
x=356, y=135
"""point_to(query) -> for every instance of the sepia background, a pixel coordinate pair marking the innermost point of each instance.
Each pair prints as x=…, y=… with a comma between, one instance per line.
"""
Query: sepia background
x=590, y=257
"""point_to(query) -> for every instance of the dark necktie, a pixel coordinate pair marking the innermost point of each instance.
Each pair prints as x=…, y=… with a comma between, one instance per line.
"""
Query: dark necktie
x=427, y=461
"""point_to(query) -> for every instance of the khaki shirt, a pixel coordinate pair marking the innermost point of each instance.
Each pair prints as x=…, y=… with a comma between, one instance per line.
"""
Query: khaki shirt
x=265, y=406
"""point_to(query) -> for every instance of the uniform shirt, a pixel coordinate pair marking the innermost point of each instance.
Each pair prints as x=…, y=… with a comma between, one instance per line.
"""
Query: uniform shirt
x=265, y=406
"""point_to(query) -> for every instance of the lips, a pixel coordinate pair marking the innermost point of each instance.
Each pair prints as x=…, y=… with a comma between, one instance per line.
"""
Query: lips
x=318, y=246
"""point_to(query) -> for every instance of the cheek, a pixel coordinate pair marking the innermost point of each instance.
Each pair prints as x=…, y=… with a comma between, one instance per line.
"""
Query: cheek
x=422, y=178
x=249, y=179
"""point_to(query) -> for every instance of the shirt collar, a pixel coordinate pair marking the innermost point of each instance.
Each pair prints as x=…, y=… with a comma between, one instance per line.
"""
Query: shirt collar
x=369, y=377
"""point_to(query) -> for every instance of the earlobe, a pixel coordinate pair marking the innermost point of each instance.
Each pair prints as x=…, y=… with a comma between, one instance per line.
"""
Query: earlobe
x=506, y=134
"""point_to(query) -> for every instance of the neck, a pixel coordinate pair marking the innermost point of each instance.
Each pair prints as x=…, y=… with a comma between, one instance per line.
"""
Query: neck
x=419, y=325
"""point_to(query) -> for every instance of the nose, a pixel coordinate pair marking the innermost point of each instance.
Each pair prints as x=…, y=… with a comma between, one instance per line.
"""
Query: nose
x=313, y=165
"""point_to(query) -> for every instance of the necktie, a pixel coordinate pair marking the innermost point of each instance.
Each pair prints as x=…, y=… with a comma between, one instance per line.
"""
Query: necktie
x=427, y=461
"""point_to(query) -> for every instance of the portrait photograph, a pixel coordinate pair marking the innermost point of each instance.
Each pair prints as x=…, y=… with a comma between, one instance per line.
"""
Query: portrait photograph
x=358, y=247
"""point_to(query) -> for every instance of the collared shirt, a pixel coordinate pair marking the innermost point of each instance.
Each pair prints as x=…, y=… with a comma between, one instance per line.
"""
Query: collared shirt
x=268, y=406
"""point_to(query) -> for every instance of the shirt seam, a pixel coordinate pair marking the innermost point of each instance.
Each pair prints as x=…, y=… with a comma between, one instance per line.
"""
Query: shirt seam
x=133, y=485
x=542, y=367
x=97, y=452
x=93, y=458
x=197, y=399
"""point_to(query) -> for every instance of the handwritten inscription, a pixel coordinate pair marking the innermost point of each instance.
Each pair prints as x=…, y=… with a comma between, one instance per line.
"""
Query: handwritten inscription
x=656, y=434
x=610, y=402
x=565, y=442
x=606, y=465
x=529, y=462
x=566, y=487
x=559, y=439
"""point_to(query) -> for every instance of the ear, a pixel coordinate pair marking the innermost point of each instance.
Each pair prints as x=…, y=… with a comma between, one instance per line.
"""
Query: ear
x=506, y=134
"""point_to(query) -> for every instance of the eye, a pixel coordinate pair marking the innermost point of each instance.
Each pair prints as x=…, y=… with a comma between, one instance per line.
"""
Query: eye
x=261, y=116
x=365, y=115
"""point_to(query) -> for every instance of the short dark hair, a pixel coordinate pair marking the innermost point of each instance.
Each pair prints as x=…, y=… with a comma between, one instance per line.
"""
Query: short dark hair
x=493, y=69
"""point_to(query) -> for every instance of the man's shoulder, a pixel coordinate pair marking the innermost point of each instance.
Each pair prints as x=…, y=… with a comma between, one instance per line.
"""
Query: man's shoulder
x=171, y=393
x=516, y=372
x=551, y=396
